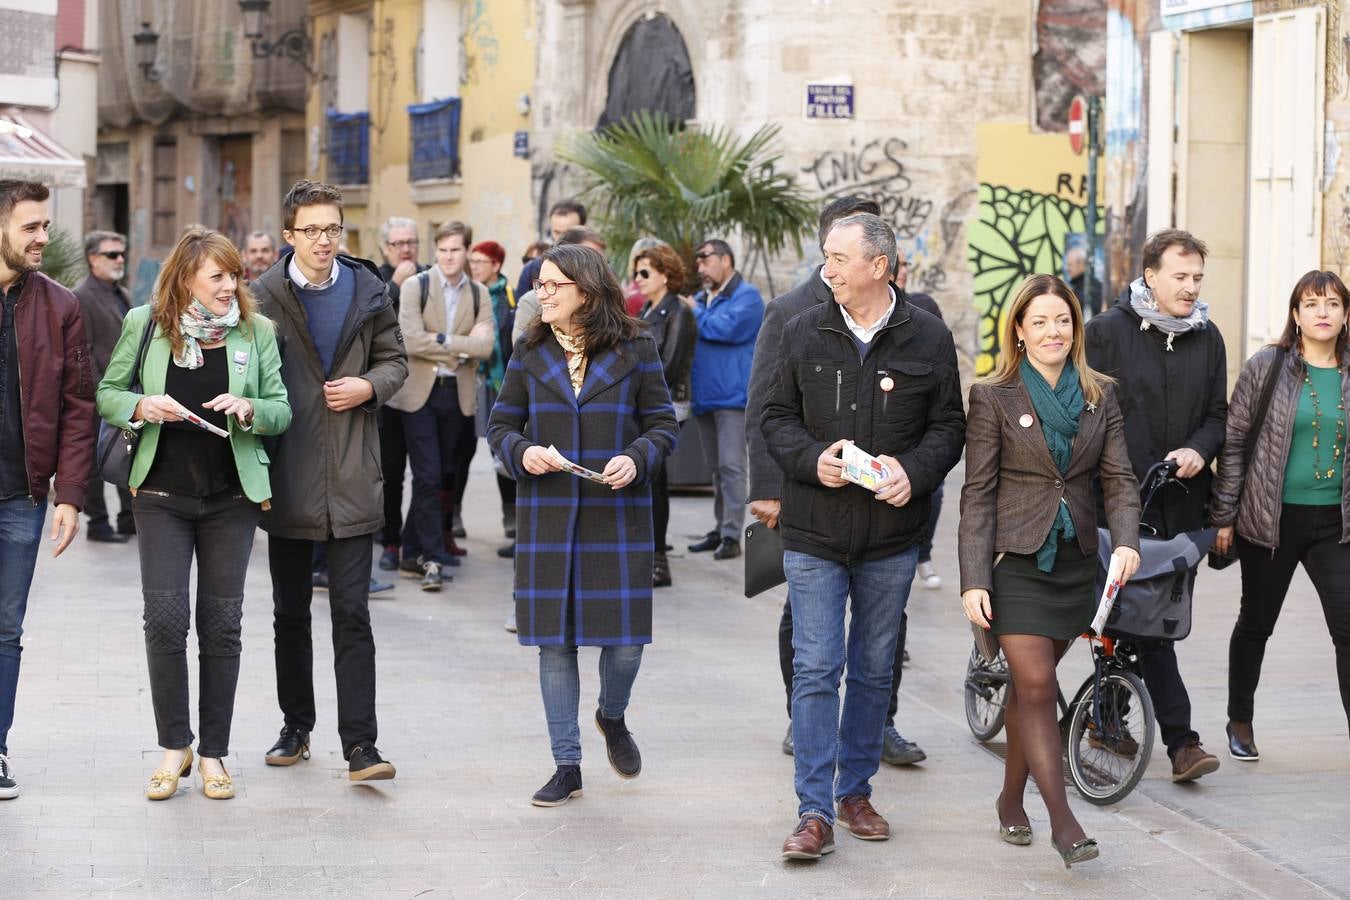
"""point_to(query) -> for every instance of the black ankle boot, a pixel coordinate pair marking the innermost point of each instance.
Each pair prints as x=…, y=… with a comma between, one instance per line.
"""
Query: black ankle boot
x=623, y=750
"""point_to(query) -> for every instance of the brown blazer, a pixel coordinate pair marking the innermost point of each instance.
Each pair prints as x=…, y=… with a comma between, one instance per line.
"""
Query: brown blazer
x=460, y=353
x=1013, y=487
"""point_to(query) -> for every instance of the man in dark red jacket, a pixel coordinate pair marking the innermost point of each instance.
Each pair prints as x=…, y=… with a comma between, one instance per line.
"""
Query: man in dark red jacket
x=46, y=423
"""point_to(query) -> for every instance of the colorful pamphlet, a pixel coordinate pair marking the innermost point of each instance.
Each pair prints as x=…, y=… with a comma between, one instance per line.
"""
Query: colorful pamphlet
x=1109, y=594
x=863, y=469
x=198, y=420
x=572, y=468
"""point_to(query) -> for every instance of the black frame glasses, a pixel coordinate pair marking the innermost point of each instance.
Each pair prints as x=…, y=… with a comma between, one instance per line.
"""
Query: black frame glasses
x=548, y=288
x=312, y=232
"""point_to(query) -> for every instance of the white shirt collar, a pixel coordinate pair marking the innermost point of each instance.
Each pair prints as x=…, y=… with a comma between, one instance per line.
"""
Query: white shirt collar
x=866, y=334
x=300, y=281
x=444, y=282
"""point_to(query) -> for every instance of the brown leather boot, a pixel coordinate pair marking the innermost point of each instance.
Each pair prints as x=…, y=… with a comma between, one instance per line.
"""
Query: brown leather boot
x=1192, y=761
x=812, y=839
x=857, y=816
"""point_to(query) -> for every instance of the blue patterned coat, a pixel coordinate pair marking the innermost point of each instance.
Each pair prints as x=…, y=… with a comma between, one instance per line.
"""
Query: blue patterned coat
x=584, y=551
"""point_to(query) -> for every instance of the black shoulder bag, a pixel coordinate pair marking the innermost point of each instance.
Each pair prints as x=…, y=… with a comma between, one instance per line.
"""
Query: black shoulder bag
x=1219, y=560
x=117, y=446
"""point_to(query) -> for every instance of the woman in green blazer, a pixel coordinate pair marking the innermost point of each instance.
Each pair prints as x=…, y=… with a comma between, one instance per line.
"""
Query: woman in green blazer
x=212, y=359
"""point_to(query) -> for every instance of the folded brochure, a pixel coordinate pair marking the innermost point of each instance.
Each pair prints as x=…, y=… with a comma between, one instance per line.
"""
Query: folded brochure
x=199, y=421
x=1109, y=594
x=572, y=468
x=863, y=469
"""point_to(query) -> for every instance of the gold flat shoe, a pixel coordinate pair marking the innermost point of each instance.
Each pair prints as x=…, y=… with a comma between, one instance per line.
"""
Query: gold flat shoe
x=1079, y=852
x=1015, y=834
x=163, y=784
x=217, y=787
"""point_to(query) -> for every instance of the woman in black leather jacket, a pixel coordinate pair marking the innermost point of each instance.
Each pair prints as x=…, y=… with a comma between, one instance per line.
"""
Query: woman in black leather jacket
x=659, y=274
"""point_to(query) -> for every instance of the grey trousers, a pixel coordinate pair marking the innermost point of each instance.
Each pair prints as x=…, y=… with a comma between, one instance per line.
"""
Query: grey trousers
x=723, y=435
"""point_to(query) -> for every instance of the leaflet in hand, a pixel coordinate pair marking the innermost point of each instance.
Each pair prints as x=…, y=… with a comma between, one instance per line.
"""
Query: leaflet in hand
x=572, y=468
x=198, y=420
x=863, y=469
x=1109, y=594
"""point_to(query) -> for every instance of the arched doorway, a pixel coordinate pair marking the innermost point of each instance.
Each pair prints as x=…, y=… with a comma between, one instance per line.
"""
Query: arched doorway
x=651, y=71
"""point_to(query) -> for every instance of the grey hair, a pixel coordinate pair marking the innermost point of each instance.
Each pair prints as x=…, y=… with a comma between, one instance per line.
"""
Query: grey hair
x=94, y=238
x=878, y=238
x=271, y=241
x=395, y=222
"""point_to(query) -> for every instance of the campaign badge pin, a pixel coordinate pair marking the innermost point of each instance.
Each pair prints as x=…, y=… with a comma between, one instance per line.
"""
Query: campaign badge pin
x=888, y=384
x=1026, y=421
x=240, y=360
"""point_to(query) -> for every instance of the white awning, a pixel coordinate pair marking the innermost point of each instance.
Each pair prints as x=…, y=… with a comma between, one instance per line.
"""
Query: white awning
x=29, y=154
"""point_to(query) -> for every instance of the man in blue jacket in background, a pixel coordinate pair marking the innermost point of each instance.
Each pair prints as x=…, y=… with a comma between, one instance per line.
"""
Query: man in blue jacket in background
x=729, y=311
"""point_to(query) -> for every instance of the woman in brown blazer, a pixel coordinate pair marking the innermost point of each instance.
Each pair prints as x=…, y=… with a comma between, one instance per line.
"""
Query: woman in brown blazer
x=1039, y=429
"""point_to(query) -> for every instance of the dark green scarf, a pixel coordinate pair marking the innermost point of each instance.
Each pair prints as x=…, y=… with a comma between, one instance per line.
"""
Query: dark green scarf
x=1058, y=408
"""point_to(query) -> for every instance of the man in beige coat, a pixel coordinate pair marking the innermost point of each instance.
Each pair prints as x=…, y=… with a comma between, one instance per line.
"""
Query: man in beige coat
x=447, y=326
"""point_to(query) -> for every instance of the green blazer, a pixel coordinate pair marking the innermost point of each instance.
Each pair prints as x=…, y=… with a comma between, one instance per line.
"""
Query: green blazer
x=258, y=380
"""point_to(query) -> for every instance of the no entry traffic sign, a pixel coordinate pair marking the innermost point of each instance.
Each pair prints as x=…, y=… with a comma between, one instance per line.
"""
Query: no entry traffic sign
x=1077, y=124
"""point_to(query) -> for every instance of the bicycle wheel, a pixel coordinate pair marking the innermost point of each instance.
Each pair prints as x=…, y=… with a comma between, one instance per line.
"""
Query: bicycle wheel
x=1110, y=737
x=986, y=695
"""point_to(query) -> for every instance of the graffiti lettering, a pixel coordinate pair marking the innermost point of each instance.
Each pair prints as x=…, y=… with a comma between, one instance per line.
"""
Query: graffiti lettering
x=1064, y=185
x=875, y=171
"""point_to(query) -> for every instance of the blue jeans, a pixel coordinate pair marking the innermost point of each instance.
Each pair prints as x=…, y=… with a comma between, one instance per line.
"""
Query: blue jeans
x=836, y=758
x=20, y=535
x=560, y=683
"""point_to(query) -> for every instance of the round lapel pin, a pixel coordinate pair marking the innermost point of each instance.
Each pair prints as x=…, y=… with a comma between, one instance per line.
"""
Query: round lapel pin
x=1026, y=421
x=888, y=384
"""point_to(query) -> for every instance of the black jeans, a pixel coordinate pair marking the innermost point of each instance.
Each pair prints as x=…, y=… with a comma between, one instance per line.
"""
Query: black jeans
x=1171, y=702
x=218, y=531
x=394, y=462
x=1309, y=535
x=785, y=661
x=349, y=562
x=434, y=434
x=934, y=512
x=661, y=522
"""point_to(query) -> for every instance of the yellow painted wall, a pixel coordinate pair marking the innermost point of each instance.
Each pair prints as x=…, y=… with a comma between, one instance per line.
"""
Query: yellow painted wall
x=494, y=194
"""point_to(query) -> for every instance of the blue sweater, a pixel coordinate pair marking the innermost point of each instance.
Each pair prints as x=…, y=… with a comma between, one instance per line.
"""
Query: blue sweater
x=727, y=328
x=326, y=311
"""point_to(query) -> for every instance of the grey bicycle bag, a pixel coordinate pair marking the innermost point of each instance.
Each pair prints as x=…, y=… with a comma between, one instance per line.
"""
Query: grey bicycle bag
x=1156, y=602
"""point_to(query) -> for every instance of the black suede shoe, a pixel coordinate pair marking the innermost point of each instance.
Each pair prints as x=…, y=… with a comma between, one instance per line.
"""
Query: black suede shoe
x=290, y=748
x=103, y=533
x=624, y=757
x=711, y=541
x=366, y=764
x=1240, y=751
x=729, y=549
x=563, y=786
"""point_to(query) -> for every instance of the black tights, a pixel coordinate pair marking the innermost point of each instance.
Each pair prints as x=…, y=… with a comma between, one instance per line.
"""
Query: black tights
x=1034, y=746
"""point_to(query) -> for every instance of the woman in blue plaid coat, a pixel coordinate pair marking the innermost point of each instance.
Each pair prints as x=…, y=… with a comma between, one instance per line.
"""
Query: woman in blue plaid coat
x=586, y=380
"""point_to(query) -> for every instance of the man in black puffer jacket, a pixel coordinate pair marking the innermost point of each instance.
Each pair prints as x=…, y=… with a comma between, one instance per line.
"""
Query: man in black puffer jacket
x=870, y=369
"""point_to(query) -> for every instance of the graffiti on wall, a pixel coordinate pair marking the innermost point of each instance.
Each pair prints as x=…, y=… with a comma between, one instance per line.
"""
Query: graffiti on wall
x=1070, y=57
x=479, y=39
x=1018, y=233
x=874, y=170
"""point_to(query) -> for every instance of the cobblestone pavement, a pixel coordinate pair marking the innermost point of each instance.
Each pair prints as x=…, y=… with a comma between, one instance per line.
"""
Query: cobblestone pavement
x=460, y=716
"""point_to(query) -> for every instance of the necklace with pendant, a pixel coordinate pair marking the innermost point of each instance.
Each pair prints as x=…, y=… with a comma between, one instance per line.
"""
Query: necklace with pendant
x=1318, y=474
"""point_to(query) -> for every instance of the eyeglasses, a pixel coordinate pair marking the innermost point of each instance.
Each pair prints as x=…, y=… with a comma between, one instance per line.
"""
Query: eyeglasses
x=397, y=245
x=479, y=260
x=549, y=288
x=644, y=274
x=312, y=232
x=112, y=254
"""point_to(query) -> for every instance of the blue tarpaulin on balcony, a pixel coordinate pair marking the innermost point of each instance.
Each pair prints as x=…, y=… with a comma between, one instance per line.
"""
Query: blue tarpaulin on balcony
x=435, y=139
x=348, y=147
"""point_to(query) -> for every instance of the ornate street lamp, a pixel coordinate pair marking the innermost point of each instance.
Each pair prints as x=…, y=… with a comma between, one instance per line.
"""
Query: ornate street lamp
x=293, y=44
x=147, y=43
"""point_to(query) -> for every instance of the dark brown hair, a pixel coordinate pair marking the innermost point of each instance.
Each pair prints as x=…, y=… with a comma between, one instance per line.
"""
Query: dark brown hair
x=1318, y=283
x=666, y=261
x=309, y=193
x=603, y=318
x=173, y=286
x=569, y=207
x=13, y=192
x=1160, y=242
x=446, y=229
x=1008, y=365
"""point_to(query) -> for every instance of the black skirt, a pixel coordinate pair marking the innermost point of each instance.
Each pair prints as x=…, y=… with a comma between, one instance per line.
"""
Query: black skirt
x=1057, y=605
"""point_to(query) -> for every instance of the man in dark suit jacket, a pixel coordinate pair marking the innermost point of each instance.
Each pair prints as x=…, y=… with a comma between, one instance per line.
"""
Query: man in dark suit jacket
x=766, y=478
x=103, y=304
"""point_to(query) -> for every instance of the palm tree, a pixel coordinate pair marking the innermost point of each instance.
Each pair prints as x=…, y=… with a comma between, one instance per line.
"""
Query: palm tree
x=644, y=176
x=63, y=258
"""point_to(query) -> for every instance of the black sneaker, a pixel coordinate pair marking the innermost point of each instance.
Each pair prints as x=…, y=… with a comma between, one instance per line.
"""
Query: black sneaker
x=563, y=786
x=728, y=549
x=711, y=541
x=291, y=747
x=103, y=533
x=623, y=750
x=365, y=764
x=9, y=788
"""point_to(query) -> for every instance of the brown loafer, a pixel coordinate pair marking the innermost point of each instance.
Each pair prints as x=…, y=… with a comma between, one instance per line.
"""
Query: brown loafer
x=857, y=816
x=812, y=839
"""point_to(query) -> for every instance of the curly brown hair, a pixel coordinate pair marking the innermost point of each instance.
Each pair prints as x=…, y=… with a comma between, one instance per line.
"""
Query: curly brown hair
x=665, y=260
